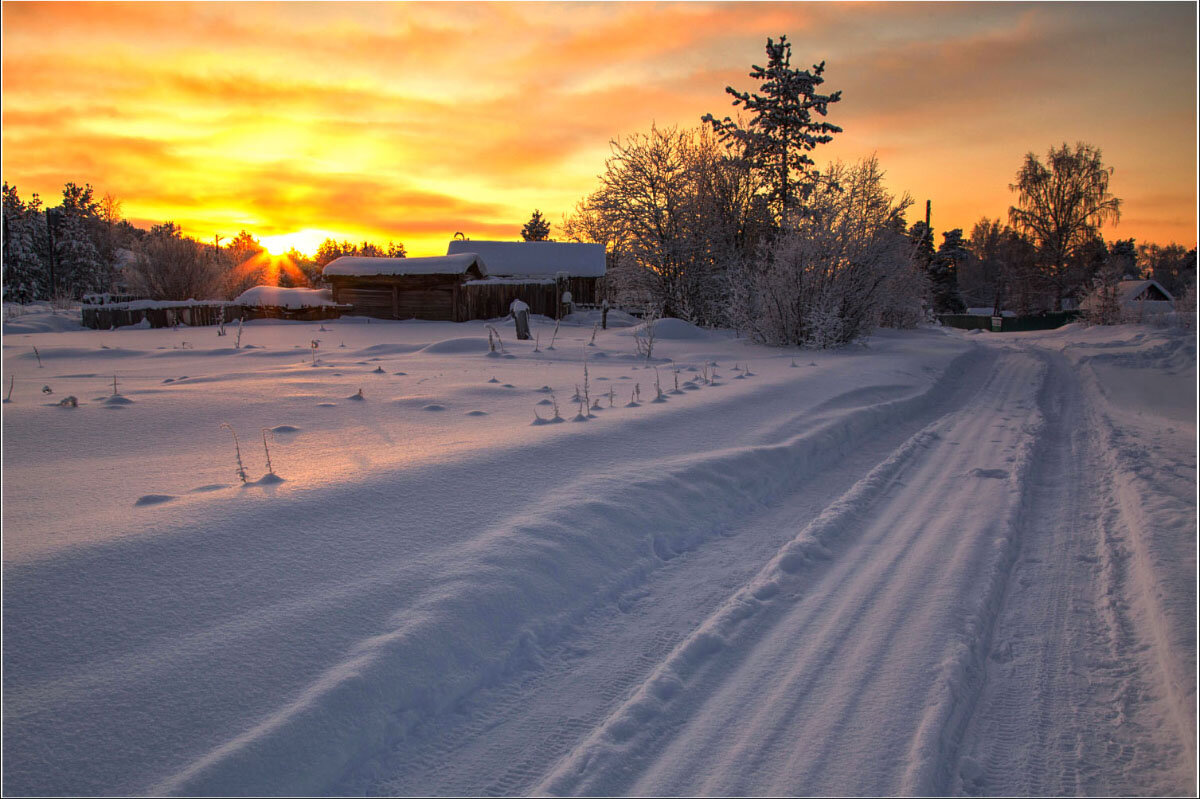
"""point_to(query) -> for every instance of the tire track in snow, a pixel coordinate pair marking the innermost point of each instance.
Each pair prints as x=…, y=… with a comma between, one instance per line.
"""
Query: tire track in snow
x=504, y=739
x=843, y=663
x=512, y=591
x=1071, y=704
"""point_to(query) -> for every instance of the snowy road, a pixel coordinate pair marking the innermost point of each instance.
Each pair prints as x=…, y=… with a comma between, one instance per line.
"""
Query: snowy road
x=951, y=566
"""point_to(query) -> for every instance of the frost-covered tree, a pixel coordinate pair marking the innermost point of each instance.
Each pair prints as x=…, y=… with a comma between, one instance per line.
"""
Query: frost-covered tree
x=672, y=209
x=174, y=267
x=26, y=276
x=1173, y=266
x=1061, y=206
x=537, y=228
x=75, y=261
x=783, y=127
x=839, y=271
x=395, y=249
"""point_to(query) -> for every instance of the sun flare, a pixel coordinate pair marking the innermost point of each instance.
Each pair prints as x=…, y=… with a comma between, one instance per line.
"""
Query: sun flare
x=304, y=241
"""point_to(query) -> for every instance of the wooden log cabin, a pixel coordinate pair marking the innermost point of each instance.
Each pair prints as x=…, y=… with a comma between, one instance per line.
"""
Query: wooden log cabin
x=403, y=288
x=475, y=280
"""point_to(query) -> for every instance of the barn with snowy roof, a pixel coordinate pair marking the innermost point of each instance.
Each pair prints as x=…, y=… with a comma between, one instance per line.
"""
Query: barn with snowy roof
x=1135, y=298
x=403, y=288
x=536, y=272
x=475, y=280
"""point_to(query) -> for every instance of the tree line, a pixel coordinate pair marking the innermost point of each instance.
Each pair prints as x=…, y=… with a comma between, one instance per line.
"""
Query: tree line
x=727, y=224
x=732, y=224
x=83, y=246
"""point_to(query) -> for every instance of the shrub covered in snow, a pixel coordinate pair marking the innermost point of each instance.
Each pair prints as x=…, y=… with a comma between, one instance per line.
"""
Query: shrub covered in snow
x=840, y=271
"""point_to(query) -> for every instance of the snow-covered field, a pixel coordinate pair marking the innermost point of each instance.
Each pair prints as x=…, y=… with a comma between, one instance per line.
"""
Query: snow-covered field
x=940, y=563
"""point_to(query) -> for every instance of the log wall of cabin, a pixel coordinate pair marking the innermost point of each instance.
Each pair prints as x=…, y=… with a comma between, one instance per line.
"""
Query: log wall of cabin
x=445, y=298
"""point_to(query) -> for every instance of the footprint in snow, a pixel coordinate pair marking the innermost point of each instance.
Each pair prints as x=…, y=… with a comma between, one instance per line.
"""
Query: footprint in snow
x=545, y=402
x=477, y=413
x=285, y=428
x=153, y=499
x=434, y=407
x=400, y=374
x=209, y=487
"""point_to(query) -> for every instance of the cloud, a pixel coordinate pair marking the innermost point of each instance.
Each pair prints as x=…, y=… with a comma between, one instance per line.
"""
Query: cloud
x=409, y=118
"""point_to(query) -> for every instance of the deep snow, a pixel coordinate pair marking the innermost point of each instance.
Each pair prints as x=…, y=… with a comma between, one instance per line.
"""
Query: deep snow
x=938, y=563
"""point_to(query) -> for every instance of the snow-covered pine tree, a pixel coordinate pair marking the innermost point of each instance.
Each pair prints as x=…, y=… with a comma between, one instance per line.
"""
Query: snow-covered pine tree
x=537, y=228
x=26, y=277
x=782, y=130
x=76, y=261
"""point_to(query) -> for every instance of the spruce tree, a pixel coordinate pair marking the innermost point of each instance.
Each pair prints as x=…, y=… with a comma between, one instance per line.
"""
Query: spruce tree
x=782, y=130
x=26, y=277
x=943, y=272
x=537, y=228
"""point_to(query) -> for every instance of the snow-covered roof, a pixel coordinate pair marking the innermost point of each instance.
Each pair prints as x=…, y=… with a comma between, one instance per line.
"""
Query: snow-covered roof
x=357, y=266
x=1132, y=290
x=285, y=297
x=536, y=258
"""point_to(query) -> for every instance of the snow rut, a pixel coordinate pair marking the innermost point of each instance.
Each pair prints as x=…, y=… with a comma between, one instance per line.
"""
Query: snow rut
x=1078, y=697
x=513, y=592
x=851, y=661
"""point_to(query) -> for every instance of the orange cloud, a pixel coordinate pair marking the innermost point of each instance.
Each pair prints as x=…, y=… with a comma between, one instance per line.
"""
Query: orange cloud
x=412, y=120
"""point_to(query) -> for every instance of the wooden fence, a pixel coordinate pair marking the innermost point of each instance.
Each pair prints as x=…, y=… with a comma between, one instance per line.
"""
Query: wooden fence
x=102, y=317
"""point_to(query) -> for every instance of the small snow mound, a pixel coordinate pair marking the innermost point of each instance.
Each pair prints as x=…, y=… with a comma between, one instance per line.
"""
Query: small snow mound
x=673, y=329
x=434, y=407
x=270, y=478
x=477, y=413
x=117, y=399
x=457, y=346
x=152, y=499
x=285, y=297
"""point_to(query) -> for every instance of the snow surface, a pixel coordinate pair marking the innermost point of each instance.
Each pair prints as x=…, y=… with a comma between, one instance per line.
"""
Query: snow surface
x=935, y=564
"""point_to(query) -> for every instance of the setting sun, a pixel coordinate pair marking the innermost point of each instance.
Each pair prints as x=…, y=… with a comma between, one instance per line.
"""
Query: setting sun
x=369, y=121
x=305, y=242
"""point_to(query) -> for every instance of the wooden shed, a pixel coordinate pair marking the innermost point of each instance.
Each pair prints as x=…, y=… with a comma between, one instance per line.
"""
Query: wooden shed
x=404, y=288
x=573, y=266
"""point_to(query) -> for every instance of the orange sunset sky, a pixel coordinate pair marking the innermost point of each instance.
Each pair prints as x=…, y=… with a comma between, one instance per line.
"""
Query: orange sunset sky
x=410, y=121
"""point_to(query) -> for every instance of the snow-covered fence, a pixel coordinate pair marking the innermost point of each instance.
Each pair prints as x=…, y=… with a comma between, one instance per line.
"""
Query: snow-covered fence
x=198, y=314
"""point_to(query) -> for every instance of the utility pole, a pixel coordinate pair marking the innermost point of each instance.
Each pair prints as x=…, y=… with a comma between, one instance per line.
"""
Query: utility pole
x=928, y=203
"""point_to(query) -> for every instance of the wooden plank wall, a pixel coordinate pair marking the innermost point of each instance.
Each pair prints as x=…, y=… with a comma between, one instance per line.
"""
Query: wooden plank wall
x=490, y=300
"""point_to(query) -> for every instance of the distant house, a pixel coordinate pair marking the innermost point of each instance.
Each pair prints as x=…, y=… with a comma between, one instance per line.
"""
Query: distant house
x=475, y=280
x=1136, y=298
x=404, y=288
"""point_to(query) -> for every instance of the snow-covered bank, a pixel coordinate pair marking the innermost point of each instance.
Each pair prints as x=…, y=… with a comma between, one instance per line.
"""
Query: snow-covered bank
x=610, y=598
